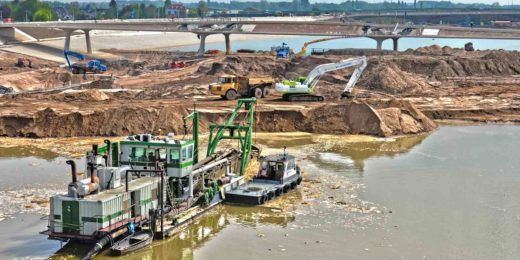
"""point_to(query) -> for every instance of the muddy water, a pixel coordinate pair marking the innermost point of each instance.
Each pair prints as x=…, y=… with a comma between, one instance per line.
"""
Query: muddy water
x=448, y=195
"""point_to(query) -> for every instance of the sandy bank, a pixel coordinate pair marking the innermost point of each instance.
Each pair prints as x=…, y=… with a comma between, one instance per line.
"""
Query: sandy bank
x=52, y=49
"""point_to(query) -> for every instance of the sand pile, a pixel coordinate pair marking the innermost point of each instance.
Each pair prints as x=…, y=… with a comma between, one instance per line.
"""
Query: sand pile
x=390, y=78
x=35, y=79
x=106, y=83
x=434, y=50
x=83, y=95
x=245, y=65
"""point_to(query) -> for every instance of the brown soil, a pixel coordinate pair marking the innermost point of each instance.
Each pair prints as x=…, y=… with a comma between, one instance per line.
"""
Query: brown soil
x=42, y=74
x=399, y=93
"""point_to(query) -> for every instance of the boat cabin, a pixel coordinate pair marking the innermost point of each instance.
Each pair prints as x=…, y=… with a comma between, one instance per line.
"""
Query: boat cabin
x=142, y=152
x=276, y=167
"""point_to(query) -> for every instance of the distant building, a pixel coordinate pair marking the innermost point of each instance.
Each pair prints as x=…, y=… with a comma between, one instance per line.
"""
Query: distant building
x=176, y=11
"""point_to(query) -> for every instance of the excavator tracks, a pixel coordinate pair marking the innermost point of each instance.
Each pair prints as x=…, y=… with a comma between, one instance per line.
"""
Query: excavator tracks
x=302, y=98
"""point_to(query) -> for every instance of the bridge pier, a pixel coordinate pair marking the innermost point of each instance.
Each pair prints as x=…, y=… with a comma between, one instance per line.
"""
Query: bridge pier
x=88, y=42
x=379, y=42
x=202, y=47
x=67, y=40
x=396, y=43
x=228, y=43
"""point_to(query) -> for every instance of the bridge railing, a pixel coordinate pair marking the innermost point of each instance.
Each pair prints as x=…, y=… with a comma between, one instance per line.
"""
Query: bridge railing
x=181, y=20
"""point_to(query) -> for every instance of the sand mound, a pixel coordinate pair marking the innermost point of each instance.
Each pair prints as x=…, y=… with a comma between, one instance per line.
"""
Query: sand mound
x=83, y=95
x=107, y=83
x=434, y=50
x=391, y=79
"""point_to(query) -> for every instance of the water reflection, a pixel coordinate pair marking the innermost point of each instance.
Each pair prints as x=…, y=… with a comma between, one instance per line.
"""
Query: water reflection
x=196, y=235
x=338, y=153
x=27, y=151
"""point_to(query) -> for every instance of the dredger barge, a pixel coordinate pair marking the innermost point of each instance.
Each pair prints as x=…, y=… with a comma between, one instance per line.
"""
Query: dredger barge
x=159, y=184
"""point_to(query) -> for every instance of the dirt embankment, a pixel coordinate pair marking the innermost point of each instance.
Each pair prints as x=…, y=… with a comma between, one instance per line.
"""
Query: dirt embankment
x=393, y=96
x=350, y=117
x=35, y=74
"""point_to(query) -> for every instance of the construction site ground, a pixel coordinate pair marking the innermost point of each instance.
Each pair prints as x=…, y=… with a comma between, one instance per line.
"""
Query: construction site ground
x=399, y=93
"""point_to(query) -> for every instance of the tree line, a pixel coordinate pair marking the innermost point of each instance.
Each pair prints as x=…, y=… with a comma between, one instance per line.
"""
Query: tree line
x=27, y=10
x=35, y=10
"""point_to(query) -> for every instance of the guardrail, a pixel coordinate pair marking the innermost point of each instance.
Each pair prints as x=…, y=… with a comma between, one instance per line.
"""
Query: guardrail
x=187, y=20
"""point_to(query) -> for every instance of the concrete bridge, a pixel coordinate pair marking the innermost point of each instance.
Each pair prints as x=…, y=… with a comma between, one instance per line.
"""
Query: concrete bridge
x=400, y=13
x=226, y=27
x=457, y=17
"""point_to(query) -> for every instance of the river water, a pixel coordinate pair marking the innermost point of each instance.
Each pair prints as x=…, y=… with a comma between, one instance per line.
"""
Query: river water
x=297, y=42
x=452, y=194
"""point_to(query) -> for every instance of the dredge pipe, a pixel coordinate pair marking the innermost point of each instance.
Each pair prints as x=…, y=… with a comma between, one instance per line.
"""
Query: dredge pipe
x=209, y=166
x=213, y=157
x=102, y=242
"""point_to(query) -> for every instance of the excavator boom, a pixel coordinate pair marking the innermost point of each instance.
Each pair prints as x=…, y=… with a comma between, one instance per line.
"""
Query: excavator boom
x=304, y=91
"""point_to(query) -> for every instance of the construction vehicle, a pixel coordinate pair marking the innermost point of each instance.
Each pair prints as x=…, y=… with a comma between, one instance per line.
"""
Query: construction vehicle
x=230, y=87
x=84, y=65
x=283, y=51
x=5, y=90
x=303, y=88
x=24, y=62
x=469, y=47
x=212, y=52
x=178, y=65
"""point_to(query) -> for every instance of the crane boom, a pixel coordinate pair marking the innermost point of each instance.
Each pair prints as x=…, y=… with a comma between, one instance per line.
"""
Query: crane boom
x=304, y=91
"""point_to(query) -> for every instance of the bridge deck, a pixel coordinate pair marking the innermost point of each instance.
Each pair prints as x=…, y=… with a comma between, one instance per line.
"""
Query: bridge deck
x=309, y=28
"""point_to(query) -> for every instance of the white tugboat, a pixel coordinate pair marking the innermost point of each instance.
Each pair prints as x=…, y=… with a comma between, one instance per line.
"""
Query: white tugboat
x=277, y=174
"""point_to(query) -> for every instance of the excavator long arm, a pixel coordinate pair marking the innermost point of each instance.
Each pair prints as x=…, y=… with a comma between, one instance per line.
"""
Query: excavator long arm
x=304, y=91
x=355, y=76
x=76, y=55
x=359, y=62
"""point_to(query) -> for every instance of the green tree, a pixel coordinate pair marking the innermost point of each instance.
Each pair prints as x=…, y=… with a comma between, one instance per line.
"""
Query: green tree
x=6, y=11
x=112, y=10
x=44, y=14
x=150, y=11
x=25, y=9
x=192, y=13
x=167, y=3
x=202, y=10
